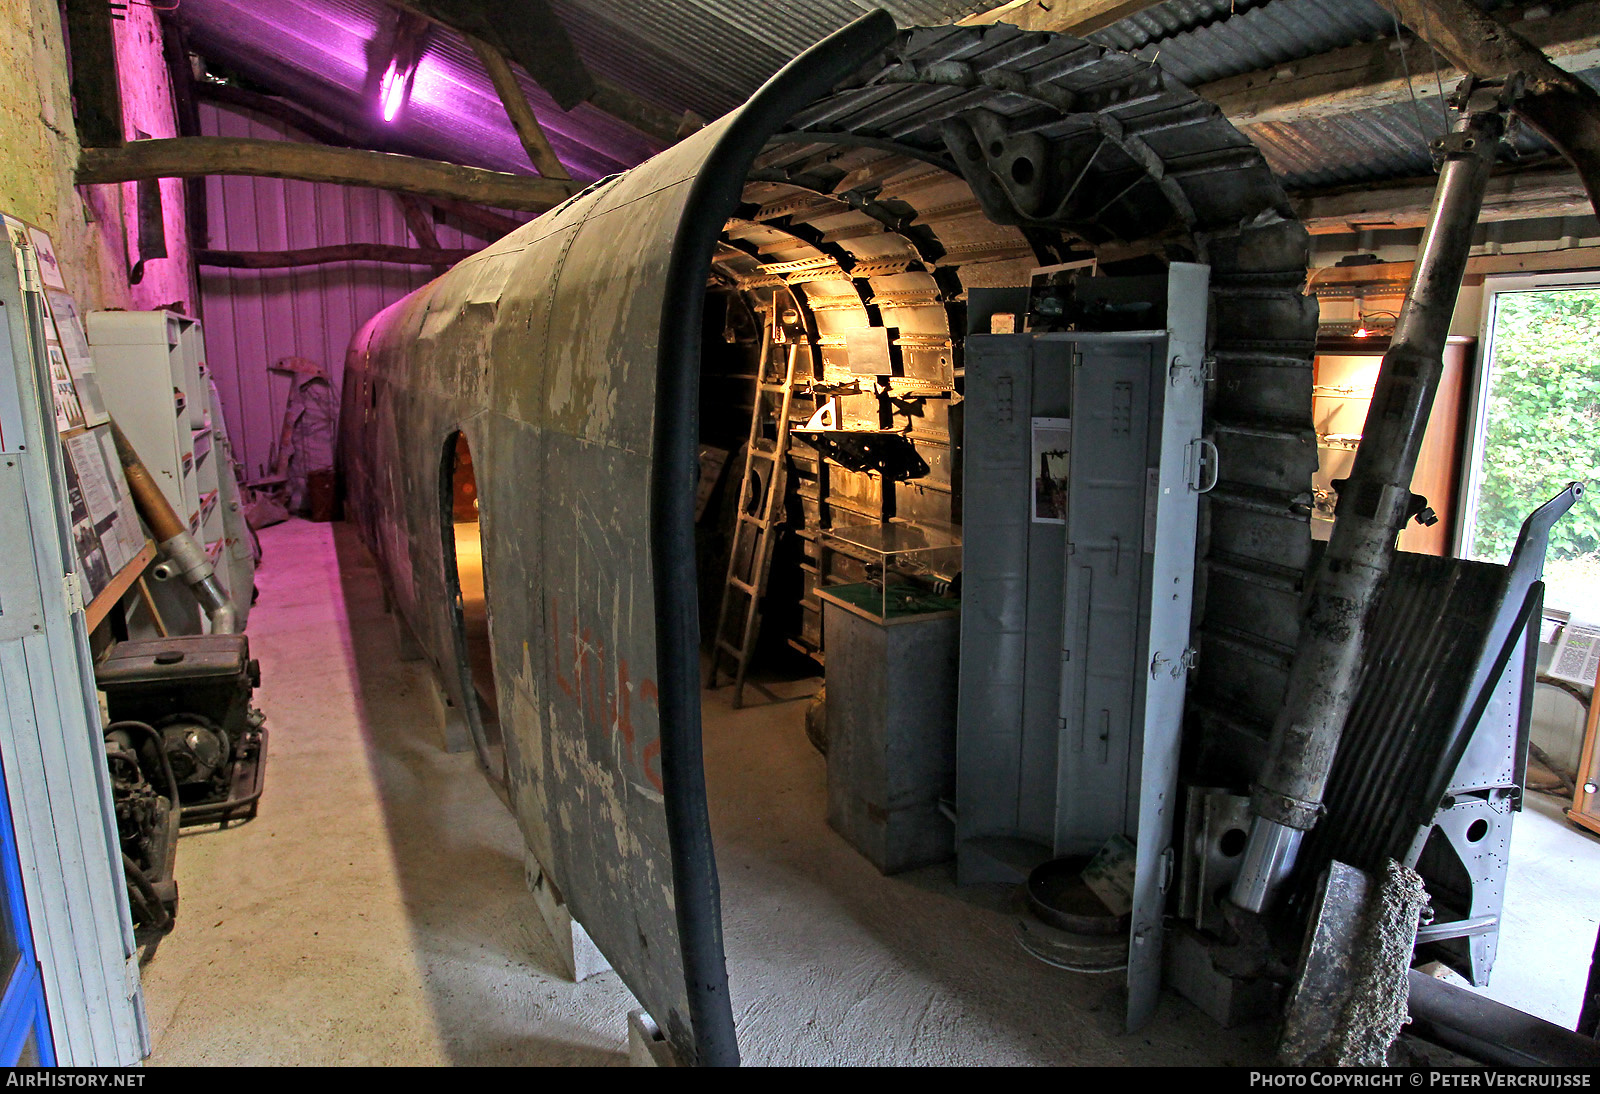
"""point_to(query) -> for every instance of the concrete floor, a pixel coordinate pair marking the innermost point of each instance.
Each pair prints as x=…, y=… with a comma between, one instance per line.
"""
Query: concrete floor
x=375, y=912
x=1552, y=910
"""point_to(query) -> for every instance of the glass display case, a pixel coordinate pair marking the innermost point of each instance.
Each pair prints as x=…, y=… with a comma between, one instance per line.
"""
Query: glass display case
x=913, y=569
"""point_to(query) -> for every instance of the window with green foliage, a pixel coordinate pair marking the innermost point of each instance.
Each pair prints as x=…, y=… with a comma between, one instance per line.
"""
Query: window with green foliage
x=1541, y=431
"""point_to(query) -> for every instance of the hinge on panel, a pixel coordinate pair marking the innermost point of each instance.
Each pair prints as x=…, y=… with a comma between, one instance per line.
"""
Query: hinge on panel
x=28, y=269
x=72, y=592
x=1167, y=860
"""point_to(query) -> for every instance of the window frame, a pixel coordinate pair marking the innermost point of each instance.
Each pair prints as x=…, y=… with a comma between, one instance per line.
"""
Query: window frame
x=1478, y=411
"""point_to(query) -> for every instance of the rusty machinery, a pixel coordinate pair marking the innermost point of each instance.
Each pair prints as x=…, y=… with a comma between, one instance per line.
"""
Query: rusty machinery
x=184, y=744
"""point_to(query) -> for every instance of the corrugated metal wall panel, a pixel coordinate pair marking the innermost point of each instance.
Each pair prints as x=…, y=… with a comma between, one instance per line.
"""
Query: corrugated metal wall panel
x=255, y=318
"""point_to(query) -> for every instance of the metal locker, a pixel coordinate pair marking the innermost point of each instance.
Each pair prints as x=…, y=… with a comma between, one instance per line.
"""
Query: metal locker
x=1075, y=644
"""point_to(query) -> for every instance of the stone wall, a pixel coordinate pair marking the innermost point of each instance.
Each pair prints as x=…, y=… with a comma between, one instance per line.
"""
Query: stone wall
x=94, y=228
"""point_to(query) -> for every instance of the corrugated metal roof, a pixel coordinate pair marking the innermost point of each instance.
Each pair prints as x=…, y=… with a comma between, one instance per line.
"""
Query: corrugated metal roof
x=1369, y=145
x=701, y=55
x=709, y=55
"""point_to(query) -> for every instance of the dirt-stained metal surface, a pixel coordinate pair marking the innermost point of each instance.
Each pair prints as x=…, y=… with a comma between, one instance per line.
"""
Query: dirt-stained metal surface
x=568, y=354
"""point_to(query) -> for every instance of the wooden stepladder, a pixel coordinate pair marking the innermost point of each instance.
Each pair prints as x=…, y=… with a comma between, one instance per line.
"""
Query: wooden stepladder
x=754, y=529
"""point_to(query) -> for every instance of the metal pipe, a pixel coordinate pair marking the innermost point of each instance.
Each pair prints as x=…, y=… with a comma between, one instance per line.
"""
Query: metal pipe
x=1491, y=1033
x=184, y=556
x=1374, y=503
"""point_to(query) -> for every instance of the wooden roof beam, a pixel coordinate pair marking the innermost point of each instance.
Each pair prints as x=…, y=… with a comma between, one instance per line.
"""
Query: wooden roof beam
x=523, y=120
x=191, y=157
x=1564, y=109
x=489, y=223
x=535, y=39
x=436, y=257
x=1381, y=73
x=1395, y=277
x=1512, y=195
x=1077, y=17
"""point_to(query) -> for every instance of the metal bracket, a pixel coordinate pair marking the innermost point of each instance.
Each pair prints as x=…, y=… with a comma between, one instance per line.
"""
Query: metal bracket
x=1197, y=372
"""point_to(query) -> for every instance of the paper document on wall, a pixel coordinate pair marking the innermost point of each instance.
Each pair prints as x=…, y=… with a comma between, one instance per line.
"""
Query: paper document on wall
x=126, y=527
x=93, y=568
x=1577, y=654
x=1052, y=459
x=75, y=345
x=104, y=492
x=49, y=268
x=69, y=412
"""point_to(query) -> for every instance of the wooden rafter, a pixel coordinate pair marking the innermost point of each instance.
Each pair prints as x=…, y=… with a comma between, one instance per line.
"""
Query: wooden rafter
x=1077, y=17
x=522, y=117
x=339, y=252
x=186, y=111
x=541, y=47
x=95, y=91
x=191, y=157
x=642, y=114
x=1404, y=203
x=490, y=224
x=1556, y=103
x=526, y=31
x=420, y=222
x=1374, y=74
x=1396, y=276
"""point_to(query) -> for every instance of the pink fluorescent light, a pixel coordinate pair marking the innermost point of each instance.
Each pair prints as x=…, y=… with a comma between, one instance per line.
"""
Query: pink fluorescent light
x=392, y=91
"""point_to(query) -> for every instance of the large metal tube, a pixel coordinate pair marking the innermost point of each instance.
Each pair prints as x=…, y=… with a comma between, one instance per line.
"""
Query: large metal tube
x=182, y=553
x=1374, y=504
x=1489, y=1032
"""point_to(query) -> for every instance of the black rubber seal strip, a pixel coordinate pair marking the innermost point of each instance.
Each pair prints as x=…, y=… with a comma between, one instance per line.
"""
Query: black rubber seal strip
x=714, y=194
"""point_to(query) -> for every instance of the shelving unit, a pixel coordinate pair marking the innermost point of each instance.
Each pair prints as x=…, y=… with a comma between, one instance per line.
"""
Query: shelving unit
x=156, y=385
x=145, y=382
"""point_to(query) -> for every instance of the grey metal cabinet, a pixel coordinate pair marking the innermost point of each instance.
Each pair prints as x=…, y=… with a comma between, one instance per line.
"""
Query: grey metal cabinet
x=891, y=733
x=1075, y=618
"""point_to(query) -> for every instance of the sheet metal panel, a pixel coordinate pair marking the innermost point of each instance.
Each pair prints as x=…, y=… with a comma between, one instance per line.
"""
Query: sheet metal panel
x=567, y=354
x=563, y=468
x=995, y=585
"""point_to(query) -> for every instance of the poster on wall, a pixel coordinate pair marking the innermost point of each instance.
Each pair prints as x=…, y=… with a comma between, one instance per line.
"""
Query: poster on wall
x=22, y=250
x=75, y=346
x=1052, y=461
x=69, y=412
x=126, y=526
x=93, y=569
x=105, y=495
x=49, y=268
